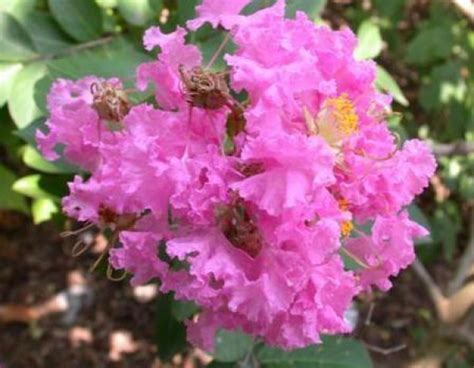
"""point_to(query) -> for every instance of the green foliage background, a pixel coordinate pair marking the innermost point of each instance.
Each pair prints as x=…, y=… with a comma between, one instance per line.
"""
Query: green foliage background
x=427, y=66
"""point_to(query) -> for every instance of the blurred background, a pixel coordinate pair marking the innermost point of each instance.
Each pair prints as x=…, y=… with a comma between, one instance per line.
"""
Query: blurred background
x=53, y=313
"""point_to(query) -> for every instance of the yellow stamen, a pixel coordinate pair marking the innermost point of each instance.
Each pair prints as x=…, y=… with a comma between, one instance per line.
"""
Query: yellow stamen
x=344, y=114
x=346, y=228
x=343, y=204
x=336, y=120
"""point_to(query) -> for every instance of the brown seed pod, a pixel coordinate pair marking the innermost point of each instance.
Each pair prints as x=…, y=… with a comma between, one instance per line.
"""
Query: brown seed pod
x=205, y=89
x=239, y=228
x=110, y=102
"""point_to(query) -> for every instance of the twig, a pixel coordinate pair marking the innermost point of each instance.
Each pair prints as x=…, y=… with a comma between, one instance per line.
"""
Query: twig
x=368, y=319
x=433, y=289
x=466, y=7
x=466, y=262
x=449, y=310
x=386, y=351
x=460, y=333
x=73, y=49
x=455, y=148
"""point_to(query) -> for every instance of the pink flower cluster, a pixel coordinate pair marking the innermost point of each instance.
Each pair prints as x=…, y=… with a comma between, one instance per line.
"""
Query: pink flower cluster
x=246, y=208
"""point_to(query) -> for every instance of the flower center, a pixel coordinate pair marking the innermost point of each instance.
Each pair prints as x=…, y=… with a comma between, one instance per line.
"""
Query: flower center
x=336, y=121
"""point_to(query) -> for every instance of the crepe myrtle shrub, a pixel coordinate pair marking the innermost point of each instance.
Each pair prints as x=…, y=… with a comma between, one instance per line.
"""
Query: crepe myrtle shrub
x=259, y=198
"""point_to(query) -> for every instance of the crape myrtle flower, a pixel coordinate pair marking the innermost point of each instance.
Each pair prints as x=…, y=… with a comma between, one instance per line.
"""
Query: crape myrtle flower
x=256, y=200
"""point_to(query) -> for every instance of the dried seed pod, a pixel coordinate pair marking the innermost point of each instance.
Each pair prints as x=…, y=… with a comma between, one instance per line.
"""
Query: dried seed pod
x=205, y=89
x=110, y=102
x=239, y=228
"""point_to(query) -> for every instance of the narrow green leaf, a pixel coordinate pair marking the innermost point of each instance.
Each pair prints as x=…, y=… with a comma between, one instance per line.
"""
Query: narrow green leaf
x=32, y=158
x=370, y=41
x=231, y=346
x=8, y=71
x=311, y=7
x=170, y=334
x=8, y=198
x=21, y=103
x=44, y=209
x=42, y=186
x=386, y=83
x=136, y=12
x=81, y=19
x=334, y=352
x=15, y=43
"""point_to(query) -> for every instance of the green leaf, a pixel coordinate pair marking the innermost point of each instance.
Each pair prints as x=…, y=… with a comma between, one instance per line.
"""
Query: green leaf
x=17, y=8
x=28, y=133
x=136, y=12
x=21, y=103
x=334, y=352
x=370, y=41
x=386, y=83
x=32, y=158
x=47, y=36
x=42, y=186
x=8, y=198
x=183, y=310
x=430, y=44
x=118, y=58
x=170, y=334
x=417, y=215
x=8, y=71
x=349, y=262
x=186, y=10
x=231, y=346
x=44, y=209
x=81, y=19
x=443, y=85
x=311, y=7
x=15, y=44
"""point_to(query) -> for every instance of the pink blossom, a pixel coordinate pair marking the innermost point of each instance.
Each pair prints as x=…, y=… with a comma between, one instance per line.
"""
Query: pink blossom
x=245, y=207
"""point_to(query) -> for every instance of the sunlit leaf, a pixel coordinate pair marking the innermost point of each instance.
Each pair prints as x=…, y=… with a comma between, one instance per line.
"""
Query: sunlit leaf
x=42, y=186
x=32, y=158
x=370, y=41
x=44, y=209
x=21, y=103
x=8, y=71
x=15, y=43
